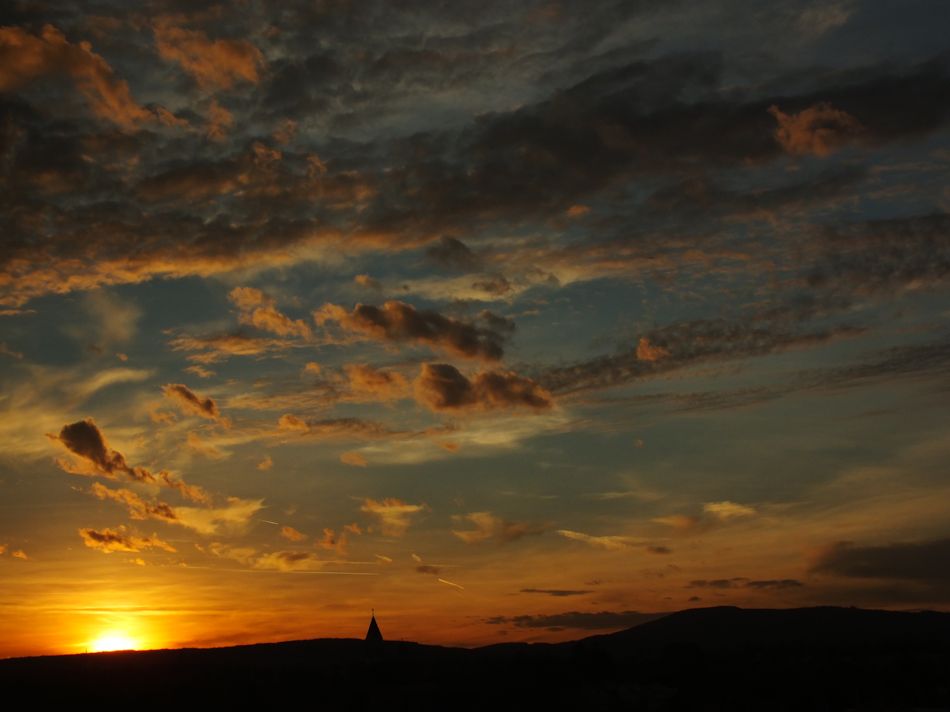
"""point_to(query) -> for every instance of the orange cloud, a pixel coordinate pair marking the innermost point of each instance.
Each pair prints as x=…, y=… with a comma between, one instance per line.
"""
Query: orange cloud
x=110, y=540
x=441, y=386
x=394, y=515
x=25, y=57
x=370, y=383
x=333, y=542
x=138, y=507
x=354, y=459
x=648, y=352
x=818, y=130
x=212, y=349
x=214, y=64
x=219, y=121
x=265, y=464
x=260, y=311
x=291, y=534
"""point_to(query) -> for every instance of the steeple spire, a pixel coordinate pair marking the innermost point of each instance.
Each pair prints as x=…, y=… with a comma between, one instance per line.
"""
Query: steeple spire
x=373, y=634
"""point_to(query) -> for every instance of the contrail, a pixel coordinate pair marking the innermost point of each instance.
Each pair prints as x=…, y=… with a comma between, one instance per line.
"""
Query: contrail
x=449, y=583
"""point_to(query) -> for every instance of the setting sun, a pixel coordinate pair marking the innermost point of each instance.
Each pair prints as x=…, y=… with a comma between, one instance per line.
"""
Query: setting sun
x=113, y=641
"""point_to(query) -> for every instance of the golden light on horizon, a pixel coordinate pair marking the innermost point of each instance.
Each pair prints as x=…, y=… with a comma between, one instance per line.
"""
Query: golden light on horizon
x=113, y=640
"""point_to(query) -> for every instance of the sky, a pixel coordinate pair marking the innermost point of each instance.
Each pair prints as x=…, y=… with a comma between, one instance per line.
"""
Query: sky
x=511, y=320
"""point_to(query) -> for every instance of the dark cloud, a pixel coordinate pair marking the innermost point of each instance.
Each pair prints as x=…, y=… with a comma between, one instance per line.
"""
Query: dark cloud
x=600, y=620
x=922, y=561
x=120, y=539
x=442, y=387
x=882, y=256
x=741, y=582
x=428, y=569
x=556, y=592
x=400, y=322
x=683, y=344
x=334, y=427
x=775, y=584
x=190, y=402
x=84, y=439
x=454, y=254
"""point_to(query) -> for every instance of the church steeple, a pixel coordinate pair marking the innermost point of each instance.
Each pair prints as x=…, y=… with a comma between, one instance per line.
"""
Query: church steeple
x=372, y=634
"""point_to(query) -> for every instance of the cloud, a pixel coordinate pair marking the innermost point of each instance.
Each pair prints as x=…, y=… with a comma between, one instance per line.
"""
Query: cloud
x=394, y=515
x=600, y=620
x=214, y=64
x=610, y=543
x=220, y=347
x=20, y=554
x=490, y=527
x=233, y=517
x=25, y=57
x=205, y=449
x=333, y=428
x=682, y=344
x=84, y=439
x=921, y=561
x=116, y=320
x=354, y=459
x=93, y=456
x=138, y=507
x=880, y=257
x=428, y=569
x=726, y=511
x=648, y=352
x=199, y=371
x=682, y=522
x=818, y=130
x=291, y=534
x=453, y=254
x=442, y=387
x=774, y=584
x=742, y=582
x=556, y=592
x=366, y=382
x=265, y=464
x=260, y=311
x=338, y=543
x=120, y=539
x=190, y=402
x=398, y=322
x=220, y=121
x=195, y=493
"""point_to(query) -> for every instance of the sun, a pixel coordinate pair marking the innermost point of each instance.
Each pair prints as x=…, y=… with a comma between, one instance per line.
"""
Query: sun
x=113, y=640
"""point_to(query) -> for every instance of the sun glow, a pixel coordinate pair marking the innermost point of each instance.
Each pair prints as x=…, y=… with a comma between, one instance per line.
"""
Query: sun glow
x=113, y=641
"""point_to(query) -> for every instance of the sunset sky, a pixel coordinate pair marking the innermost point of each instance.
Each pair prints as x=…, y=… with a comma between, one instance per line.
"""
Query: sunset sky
x=512, y=320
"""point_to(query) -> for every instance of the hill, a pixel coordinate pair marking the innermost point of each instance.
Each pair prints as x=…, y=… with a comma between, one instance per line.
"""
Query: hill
x=700, y=659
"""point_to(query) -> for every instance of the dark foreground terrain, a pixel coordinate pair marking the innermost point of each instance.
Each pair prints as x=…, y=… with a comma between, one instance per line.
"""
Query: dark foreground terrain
x=702, y=659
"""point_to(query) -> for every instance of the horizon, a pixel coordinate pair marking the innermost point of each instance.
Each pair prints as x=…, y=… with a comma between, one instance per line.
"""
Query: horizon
x=523, y=320
x=658, y=617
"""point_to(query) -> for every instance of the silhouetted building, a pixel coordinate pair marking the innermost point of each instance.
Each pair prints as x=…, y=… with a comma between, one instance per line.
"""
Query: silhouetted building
x=372, y=634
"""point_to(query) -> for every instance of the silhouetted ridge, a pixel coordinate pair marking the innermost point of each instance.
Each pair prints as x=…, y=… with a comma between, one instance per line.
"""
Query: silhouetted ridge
x=701, y=659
